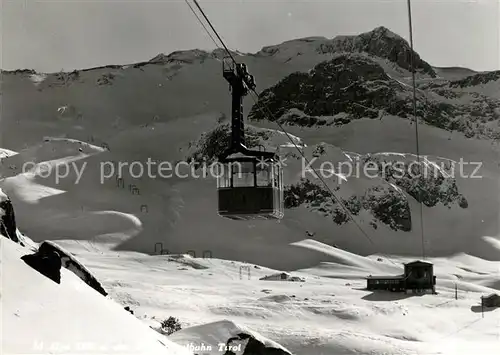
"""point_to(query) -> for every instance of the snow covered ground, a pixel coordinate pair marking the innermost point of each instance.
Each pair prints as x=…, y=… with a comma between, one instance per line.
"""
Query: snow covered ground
x=329, y=313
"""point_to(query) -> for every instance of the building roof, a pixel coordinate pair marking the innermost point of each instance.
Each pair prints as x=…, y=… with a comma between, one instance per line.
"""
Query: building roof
x=399, y=277
x=419, y=262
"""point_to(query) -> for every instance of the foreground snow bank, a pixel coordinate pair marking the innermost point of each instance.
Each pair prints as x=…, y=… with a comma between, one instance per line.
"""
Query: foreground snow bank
x=40, y=316
x=218, y=337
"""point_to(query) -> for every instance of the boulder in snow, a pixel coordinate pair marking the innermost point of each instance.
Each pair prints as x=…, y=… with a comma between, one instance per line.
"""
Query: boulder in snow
x=46, y=262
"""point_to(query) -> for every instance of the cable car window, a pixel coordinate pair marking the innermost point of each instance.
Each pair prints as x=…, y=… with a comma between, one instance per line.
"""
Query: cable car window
x=223, y=175
x=243, y=174
x=276, y=192
x=276, y=175
x=263, y=174
x=281, y=180
x=280, y=190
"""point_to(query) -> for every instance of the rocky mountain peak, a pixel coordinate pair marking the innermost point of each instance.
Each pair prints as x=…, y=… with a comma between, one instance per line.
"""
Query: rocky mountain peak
x=384, y=32
x=384, y=43
x=380, y=42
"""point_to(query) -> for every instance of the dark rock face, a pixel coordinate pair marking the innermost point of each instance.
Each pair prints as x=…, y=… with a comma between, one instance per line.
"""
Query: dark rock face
x=388, y=207
x=215, y=142
x=389, y=201
x=46, y=262
x=348, y=84
x=477, y=79
x=429, y=186
x=8, y=221
x=353, y=86
x=253, y=347
x=305, y=192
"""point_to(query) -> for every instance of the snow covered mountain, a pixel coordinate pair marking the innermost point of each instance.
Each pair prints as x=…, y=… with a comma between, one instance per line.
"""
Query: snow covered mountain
x=345, y=101
x=380, y=42
x=166, y=108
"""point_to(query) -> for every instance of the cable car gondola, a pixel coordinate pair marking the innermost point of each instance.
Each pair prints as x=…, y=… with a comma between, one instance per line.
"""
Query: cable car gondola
x=250, y=182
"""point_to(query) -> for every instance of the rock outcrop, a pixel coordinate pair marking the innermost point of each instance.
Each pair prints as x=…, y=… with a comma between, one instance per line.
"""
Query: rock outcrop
x=46, y=262
x=387, y=206
x=8, y=226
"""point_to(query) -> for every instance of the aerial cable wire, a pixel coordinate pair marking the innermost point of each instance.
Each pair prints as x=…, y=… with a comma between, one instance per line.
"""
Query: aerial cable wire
x=414, y=85
x=201, y=22
x=213, y=29
x=270, y=116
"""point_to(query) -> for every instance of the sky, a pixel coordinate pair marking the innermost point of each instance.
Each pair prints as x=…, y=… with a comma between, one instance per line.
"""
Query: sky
x=54, y=35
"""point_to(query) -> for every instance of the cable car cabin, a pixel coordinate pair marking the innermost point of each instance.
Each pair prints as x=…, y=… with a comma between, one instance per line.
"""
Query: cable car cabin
x=250, y=188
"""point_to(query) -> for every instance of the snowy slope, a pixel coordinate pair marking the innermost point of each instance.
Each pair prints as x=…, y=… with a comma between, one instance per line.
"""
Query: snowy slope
x=40, y=316
x=108, y=214
x=336, y=316
x=328, y=313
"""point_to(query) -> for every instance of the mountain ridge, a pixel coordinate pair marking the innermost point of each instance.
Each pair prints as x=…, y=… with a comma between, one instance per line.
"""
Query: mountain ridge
x=348, y=43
